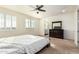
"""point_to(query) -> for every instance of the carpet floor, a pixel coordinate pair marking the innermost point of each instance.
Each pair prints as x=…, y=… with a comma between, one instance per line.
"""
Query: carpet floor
x=60, y=46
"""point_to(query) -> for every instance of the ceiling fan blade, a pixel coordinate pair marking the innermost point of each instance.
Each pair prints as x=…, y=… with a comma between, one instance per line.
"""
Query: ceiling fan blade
x=41, y=6
x=42, y=10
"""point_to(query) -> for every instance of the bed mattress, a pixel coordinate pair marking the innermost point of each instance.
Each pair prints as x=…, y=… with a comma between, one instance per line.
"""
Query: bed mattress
x=29, y=44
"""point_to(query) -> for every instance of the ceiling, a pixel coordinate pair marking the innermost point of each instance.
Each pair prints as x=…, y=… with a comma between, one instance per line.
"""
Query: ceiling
x=51, y=10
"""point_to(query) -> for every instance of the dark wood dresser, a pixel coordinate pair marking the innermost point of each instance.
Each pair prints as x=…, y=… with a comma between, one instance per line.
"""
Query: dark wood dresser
x=56, y=33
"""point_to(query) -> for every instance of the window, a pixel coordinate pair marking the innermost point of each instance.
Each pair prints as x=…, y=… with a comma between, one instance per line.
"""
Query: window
x=7, y=21
x=29, y=23
x=1, y=21
x=13, y=22
x=32, y=23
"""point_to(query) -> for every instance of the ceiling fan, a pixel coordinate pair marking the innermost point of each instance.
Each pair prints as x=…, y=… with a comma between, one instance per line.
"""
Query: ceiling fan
x=39, y=8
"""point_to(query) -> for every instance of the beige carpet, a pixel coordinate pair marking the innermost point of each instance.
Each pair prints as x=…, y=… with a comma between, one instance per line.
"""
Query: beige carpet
x=60, y=46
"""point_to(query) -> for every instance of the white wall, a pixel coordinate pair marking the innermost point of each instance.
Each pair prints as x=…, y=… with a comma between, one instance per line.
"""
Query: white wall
x=68, y=20
x=20, y=22
x=68, y=23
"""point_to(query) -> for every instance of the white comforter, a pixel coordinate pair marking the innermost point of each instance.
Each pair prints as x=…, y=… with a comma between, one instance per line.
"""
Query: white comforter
x=23, y=44
x=10, y=48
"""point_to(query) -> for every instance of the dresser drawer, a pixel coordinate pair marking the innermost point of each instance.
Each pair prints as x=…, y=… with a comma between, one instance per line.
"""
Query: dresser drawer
x=56, y=33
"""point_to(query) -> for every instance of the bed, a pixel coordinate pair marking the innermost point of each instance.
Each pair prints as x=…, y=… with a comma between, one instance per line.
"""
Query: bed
x=24, y=44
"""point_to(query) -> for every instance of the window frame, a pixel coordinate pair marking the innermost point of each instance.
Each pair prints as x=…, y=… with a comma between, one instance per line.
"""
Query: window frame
x=31, y=26
x=5, y=27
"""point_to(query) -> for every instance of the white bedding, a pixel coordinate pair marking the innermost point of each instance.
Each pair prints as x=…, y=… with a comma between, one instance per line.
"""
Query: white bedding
x=23, y=44
x=10, y=48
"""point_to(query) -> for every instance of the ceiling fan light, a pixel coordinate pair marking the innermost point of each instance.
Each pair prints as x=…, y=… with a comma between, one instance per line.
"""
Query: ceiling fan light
x=37, y=12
